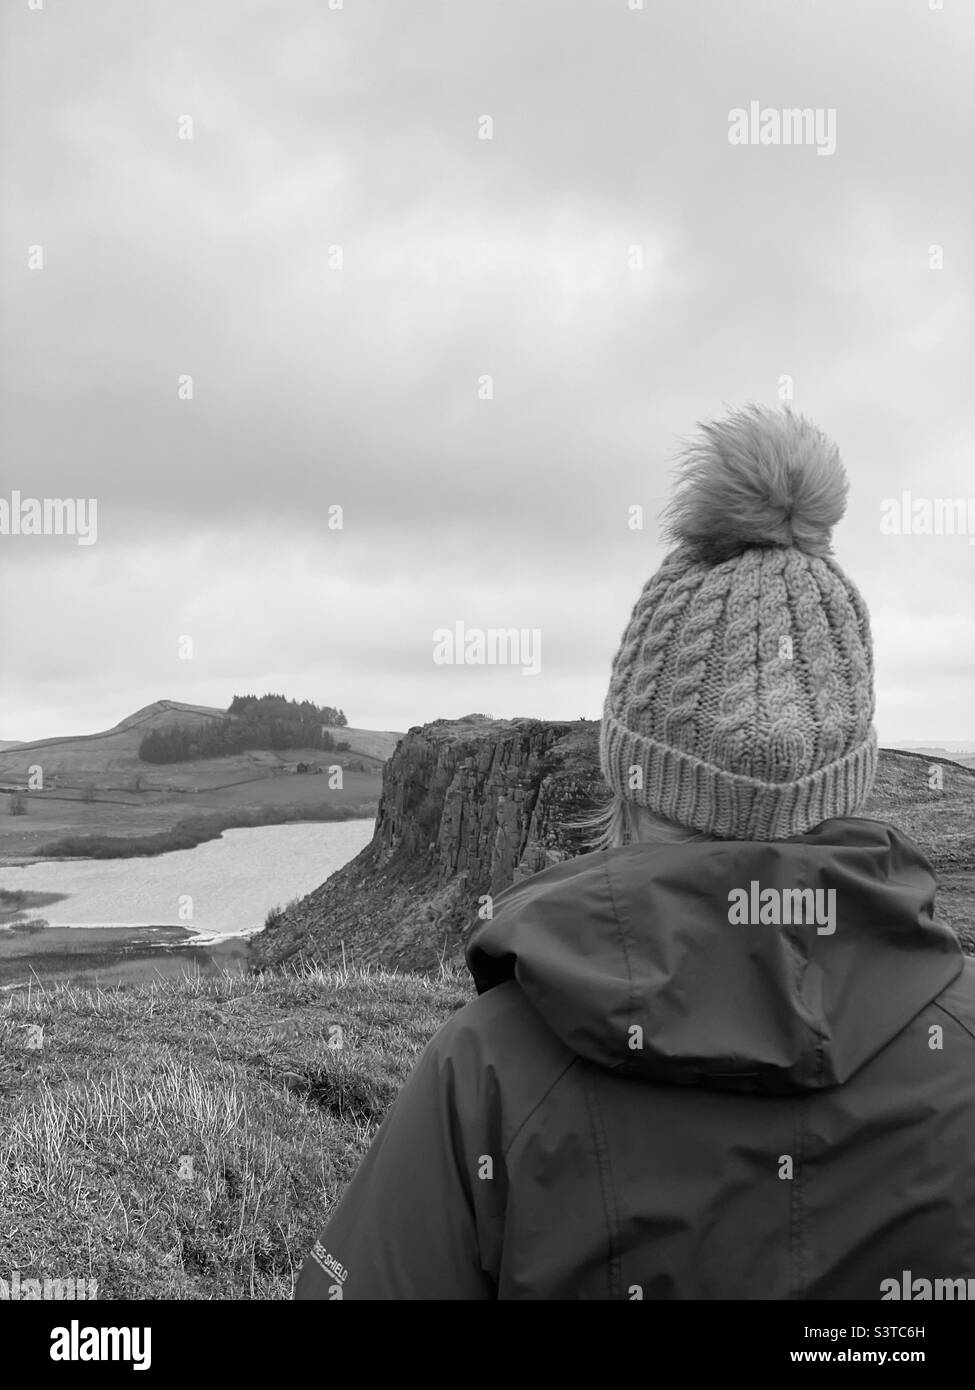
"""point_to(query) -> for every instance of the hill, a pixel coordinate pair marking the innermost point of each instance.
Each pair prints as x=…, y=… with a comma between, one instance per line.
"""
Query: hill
x=95, y=785
x=118, y=747
x=470, y=806
x=962, y=753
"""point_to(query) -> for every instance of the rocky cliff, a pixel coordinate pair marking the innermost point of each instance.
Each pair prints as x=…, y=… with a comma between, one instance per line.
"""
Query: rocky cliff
x=469, y=806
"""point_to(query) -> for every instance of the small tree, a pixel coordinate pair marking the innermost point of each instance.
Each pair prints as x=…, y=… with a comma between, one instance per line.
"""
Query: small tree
x=88, y=792
x=18, y=804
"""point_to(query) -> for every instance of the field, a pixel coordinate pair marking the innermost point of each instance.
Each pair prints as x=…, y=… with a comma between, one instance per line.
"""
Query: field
x=183, y=1139
x=177, y=794
x=96, y=785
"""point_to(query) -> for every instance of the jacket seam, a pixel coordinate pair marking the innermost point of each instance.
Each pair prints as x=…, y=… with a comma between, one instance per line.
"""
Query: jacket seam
x=800, y=963
x=624, y=949
x=960, y=1021
x=797, y=1215
x=614, y=1276
x=538, y=1104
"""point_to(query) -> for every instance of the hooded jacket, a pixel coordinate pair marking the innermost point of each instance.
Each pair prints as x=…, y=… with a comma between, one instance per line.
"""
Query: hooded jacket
x=710, y=1070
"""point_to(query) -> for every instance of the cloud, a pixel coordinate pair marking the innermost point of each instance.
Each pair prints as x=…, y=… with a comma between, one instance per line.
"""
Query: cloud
x=461, y=259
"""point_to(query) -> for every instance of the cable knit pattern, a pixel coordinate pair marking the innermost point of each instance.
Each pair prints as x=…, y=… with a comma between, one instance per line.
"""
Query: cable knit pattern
x=731, y=732
x=741, y=699
x=694, y=641
x=644, y=611
x=784, y=754
x=850, y=623
x=653, y=650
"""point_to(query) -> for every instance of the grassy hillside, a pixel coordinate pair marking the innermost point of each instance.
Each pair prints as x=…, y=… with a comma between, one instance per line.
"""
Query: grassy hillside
x=121, y=821
x=371, y=743
x=97, y=1123
x=99, y=752
x=96, y=786
x=72, y=758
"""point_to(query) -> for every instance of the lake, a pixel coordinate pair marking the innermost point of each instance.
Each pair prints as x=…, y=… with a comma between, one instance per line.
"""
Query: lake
x=220, y=890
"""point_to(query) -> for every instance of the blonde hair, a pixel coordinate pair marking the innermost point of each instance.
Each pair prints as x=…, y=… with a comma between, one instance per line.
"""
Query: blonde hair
x=622, y=822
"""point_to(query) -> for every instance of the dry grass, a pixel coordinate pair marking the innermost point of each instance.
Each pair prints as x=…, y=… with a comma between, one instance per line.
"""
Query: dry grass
x=184, y=1139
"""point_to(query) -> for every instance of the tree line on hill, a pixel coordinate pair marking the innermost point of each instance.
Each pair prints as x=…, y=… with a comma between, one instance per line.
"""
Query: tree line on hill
x=251, y=722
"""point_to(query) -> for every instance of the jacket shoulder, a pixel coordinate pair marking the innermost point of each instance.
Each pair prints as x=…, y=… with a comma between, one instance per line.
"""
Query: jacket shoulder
x=504, y=1057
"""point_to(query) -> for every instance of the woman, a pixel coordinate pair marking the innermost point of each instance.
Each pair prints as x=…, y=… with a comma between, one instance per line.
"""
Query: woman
x=730, y=1053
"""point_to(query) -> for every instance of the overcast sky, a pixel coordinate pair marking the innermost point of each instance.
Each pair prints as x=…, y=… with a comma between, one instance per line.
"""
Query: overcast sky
x=462, y=257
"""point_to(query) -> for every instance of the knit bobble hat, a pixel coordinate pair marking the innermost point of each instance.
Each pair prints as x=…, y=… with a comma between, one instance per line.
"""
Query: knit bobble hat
x=741, y=700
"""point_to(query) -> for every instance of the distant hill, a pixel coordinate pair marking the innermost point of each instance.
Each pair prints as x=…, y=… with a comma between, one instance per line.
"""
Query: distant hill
x=118, y=747
x=958, y=750
x=371, y=743
x=961, y=753
x=168, y=712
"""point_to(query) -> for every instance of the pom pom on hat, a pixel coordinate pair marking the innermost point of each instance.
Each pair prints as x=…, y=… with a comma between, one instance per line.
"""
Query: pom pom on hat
x=757, y=477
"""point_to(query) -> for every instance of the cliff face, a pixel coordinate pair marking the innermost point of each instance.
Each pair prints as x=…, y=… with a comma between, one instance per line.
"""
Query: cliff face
x=470, y=806
x=467, y=807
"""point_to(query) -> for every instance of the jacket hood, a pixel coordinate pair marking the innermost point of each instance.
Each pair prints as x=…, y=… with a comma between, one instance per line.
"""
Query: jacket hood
x=676, y=963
